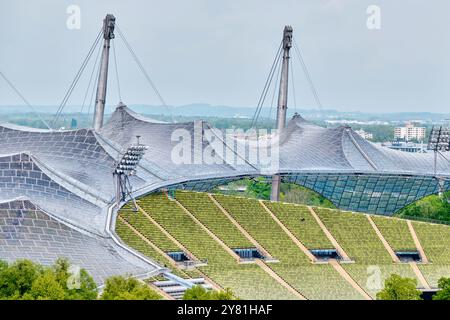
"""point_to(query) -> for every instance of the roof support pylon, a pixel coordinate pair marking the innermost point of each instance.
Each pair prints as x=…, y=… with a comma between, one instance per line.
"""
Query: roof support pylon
x=282, y=101
x=100, y=100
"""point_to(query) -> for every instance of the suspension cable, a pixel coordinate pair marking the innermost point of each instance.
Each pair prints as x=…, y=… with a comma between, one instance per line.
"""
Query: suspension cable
x=293, y=88
x=278, y=73
x=308, y=76
x=77, y=77
x=266, y=86
x=117, y=71
x=442, y=155
x=23, y=99
x=91, y=77
x=92, y=99
x=142, y=69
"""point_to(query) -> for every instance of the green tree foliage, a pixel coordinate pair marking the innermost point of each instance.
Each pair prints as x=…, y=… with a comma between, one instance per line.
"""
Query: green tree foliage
x=398, y=288
x=24, y=279
x=79, y=287
x=431, y=207
x=294, y=193
x=258, y=188
x=45, y=287
x=200, y=293
x=17, y=279
x=444, y=293
x=120, y=288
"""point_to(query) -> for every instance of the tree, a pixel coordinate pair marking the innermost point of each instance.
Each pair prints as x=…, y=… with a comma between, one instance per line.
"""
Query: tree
x=30, y=281
x=84, y=286
x=227, y=294
x=46, y=287
x=198, y=292
x=398, y=288
x=17, y=278
x=120, y=288
x=444, y=293
x=259, y=189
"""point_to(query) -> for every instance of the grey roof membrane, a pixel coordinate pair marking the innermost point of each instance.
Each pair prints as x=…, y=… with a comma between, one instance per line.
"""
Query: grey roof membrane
x=26, y=232
x=68, y=174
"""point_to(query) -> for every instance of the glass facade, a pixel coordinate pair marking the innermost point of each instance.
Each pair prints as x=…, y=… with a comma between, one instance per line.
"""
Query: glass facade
x=369, y=193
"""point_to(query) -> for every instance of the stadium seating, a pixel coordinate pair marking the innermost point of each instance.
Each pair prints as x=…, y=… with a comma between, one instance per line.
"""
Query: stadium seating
x=371, y=277
x=134, y=241
x=201, y=206
x=247, y=281
x=435, y=241
x=148, y=229
x=396, y=233
x=355, y=235
x=301, y=224
x=372, y=263
x=294, y=267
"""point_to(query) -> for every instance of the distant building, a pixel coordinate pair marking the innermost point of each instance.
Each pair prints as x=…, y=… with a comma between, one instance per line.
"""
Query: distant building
x=410, y=132
x=364, y=134
x=405, y=146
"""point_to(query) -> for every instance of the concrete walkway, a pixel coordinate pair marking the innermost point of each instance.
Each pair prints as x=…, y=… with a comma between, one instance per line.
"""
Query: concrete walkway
x=209, y=232
x=289, y=233
x=330, y=237
x=349, y=279
x=240, y=228
x=151, y=244
x=280, y=280
x=419, y=275
x=417, y=242
x=191, y=256
x=383, y=240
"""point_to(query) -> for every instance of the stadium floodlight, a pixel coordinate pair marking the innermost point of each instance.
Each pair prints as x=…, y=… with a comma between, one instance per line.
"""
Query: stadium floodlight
x=439, y=139
x=125, y=168
x=130, y=160
x=439, y=142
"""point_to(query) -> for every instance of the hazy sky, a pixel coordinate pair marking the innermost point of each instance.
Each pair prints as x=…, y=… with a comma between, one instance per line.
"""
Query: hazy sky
x=220, y=52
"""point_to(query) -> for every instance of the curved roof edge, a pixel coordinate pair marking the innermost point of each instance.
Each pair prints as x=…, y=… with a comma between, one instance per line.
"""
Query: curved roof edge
x=138, y=116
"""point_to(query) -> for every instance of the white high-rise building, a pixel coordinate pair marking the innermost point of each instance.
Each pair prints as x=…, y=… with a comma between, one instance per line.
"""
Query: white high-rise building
x=410, y=132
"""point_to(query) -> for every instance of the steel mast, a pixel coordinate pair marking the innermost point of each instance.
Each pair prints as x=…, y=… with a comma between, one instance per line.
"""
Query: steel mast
x=282, y=101
x=108, y=34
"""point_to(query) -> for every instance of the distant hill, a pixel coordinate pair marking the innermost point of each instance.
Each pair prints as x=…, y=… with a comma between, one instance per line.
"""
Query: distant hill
x=206, y=110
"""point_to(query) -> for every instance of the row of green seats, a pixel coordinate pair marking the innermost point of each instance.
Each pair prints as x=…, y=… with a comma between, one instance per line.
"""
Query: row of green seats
x=355, y=235
x=313, y=281
x=248, y=281
x=434, y=239
x=301, y=224
x=140, y=222
x=135, y=242
x=204, y=209
x=396, y=233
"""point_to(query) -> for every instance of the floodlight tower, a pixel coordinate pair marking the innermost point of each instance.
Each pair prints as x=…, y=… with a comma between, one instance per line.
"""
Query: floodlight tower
x=125, y=168
x=282, y=101
x=439, y=141
x=108, y=34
